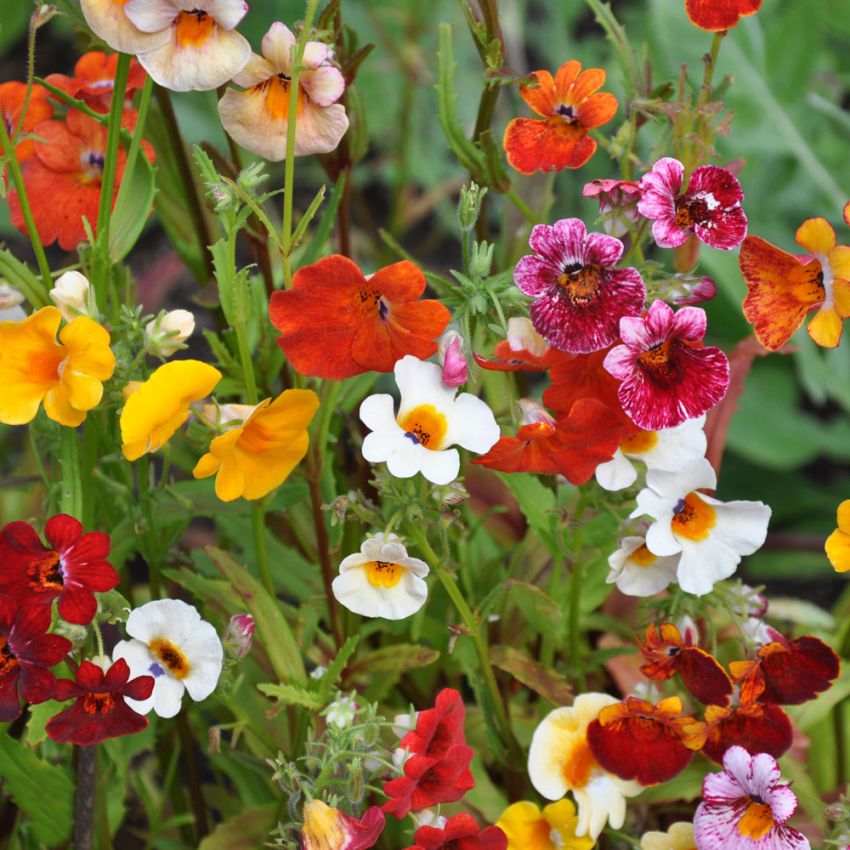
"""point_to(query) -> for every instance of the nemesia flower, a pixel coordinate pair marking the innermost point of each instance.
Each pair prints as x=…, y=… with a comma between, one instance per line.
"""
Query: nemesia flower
x=638, y=572
x=201, y=50
x=12, y=96
x=159, y=406
x=252, y=459
x=71, y=571
x=571, y=105
x=710, y=535
x=239, y=635
x=679, y=836
x=635, y=739
x=101, y=708
x=460, y=832
x=837, y=546
x=436, y=729
x=326, y=828
x=169, y=330
x=26, y=653
x=668, y=449
x=524, y=350
x=579, y=296
x=94, y=79
x=453, y=359
x=527, y=828
x=73, y=295
x=560, y=760
x=381, y=580
x=718, y=15
x=617, y=203
x=666, y=375
x=710, y=207
x=429, y=420
x=171, y=643
x=746, y=806
x=756, y=726
x=108, y=20
x=257, y=118
x=335, y=323
x=65, y=375
x=687, y=289
x=783, y=289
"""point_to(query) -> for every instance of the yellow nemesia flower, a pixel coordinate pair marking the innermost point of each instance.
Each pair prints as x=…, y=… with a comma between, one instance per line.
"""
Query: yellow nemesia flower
x=838, y=543
x=680, y=836
x=527, y=828
x=252, y=459
x=161, y=405
x=67, y=375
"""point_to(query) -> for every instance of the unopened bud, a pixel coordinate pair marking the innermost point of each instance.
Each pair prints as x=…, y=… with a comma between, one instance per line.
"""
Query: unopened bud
x=43, y=14
x=469, y=206
x=214, y=741
x=169, y=330
x=74, y=297
x=341, y=712
x=10, y=304
x=481, y=260
x=239, y=634
x=453, y=359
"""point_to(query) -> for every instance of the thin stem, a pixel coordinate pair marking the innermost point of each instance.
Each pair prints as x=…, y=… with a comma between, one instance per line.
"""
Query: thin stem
x=143, y=478
x=84, y=797
x=196, y=794
x=528, y=213
x=323, y=548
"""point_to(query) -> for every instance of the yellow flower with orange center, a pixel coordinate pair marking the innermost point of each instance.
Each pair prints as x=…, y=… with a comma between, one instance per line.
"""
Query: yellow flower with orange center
x=837, y=545
x=527, y=828
x=65, y=374
x=680, y=836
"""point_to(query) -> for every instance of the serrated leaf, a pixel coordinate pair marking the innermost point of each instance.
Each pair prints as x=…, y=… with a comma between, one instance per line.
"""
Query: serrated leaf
x=336, y=667
x=292, y=695
x=398, y=658
x=550, y=684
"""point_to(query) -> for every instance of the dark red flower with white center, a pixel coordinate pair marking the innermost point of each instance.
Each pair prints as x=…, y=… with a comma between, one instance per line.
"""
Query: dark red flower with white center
x=72, y=570
x=460, y=832
x=710, y=207
x=579, y=296
x=99, y=711
x=26, y=653
x=755, y=726
x=428, y=781
x=666, y=374
x=438, y=729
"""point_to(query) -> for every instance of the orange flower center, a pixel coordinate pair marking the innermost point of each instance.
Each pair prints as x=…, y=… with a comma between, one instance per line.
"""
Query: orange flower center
x=693, y=518
x=426, y=426
x=45, y=574
x=582, y=285
x=8, y=661
x=383, y=573
x=642, y=557
x=640, y=442
x=578, y=764
x=193, y=28
x=98, y=703
x=169, y=655
x=277, y=97
x=659, y=363
x=757, y=821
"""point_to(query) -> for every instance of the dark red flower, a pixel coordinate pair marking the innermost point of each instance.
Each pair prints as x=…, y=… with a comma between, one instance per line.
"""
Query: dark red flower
x=461, y=832
x=71, y=571
x=99, y=711
x=26, y=651
x=756, y=727
x=438, y=729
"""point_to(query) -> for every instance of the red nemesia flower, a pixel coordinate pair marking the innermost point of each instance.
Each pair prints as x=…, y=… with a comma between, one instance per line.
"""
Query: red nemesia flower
x=570, y=105
x=710, y=207
x=335, y=323
x=26, y=651
x=667, y=376
x=99, y=711
x=667, y=653
x=71, y=571
x=755, y=726
x=524, y=350
x=635, y=739
x=460, y=832
x=94, y=79
x=12, y=96
x=717, y=15
x=438, y=728
x=572, y=446
x=326, y=828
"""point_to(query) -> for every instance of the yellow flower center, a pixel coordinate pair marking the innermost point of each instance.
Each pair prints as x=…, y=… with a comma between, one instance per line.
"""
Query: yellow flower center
x=582, y=285
x=193, y=28
x=639, y=443
x=171, y=657
x=383, y=573
x=693, y=518
x=426, y=426
x=642, y=557
x=756, y=822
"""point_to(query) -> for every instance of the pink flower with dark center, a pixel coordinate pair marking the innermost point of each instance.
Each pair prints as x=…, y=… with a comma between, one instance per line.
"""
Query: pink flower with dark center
x=666, y=375
x=710, y=207
x=579, y=296
x=745, y=806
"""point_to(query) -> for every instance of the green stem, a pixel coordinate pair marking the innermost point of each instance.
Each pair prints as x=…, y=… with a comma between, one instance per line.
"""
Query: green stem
x=622, y=836
x=575, y=598
x=522, y=206
x=143, y=478
x=71, y=495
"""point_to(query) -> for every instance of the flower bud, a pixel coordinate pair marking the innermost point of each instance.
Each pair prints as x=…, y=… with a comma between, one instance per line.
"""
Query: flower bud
x=169, y=330
x=523, y=337
x=469, y=206
x=453, y=359
x=481, y=261
x=10, y=304
x=239, y=634
x=73, y=295
x=341, y=712
x=534, y=413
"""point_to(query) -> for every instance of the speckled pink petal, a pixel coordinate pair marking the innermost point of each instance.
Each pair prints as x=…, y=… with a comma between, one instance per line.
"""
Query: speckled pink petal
x=535, y=276
x=602, y=250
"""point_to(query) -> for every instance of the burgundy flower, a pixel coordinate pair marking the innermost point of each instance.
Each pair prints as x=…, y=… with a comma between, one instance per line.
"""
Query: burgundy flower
x=617, y=203
x=438, y=728
x=26, y=651
x=72, y=570
x=579, y=296
x=99, y=711
x=710, y=208
x=460, y=832
x=667, y=376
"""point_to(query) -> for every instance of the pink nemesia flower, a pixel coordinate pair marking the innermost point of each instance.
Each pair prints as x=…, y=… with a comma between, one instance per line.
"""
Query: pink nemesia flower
x=710, y=208
x=617, y=203
x=745, y=807
x=691, y=289
x=579, y=296
x=667, y=376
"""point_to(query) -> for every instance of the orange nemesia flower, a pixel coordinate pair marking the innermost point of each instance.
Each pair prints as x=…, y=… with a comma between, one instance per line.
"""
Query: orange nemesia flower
x=717, y=15
x=570, y=105
x=336, y=323
x=94, y=79
x=12, y=96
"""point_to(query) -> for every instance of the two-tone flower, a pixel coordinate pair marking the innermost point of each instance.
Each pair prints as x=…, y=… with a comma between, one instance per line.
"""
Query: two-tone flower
x=553, y=828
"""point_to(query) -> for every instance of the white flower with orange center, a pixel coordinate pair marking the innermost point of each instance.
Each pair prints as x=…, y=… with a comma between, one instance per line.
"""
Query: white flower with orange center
x=638, y=572
x=560, y=760
x=257, y=118
x=197, y=47
x=173, y=644
x=669, y=449
x=711, y=535
x=381, y=580
x=430, y=419
x=680, y=836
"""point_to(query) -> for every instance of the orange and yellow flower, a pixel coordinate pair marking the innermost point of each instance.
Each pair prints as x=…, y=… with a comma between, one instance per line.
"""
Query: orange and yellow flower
x=717, y=15
x=66, y=375
x=527, y=828
x=571, y=105
x=837, y=545
x=12, y=96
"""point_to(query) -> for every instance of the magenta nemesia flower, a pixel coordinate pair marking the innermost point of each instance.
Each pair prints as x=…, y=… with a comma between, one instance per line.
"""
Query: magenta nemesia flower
x=745, y=807
x=710, y=208
x=667, y=375
x=579, y=296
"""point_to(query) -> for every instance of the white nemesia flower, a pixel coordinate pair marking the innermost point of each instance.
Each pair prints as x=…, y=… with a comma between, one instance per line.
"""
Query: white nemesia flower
x=669, y=449
x=169, y=330
x=10, y=304
x=710, y=535
x=381, y=580
x=638, y=572
x=72, y=294
x=522, y=337
x=174, y=645
x=429, y=420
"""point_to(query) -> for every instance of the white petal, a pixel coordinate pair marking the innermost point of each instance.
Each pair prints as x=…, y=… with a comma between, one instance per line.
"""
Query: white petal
x=109, y=21
x=350, y=562
x=257, y=71
x=151, y=15
x=696, y=475
x=319, y=129
x=167, y=696
x=676, y=447
x=277, y=44
x=617, y=473
x=471, y=424
x=227, y=13
x=421, y=382
x=741, y=525
x=355, y=592
x=704, y=563
x=379, y=445
x=660, y=539
x=377, y=411
x=407, y=459
x=325, y=84
x=170, y=618
x=440, y=467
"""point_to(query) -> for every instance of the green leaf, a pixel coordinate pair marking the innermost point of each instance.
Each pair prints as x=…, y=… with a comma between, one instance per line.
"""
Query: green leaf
x=336, y=667
x=291, y=695
x=132, y=209
x=398, y=658
x=23, y=279
x=537, y=503
x=550, y=684
x=316, y=244
x=247, y=831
